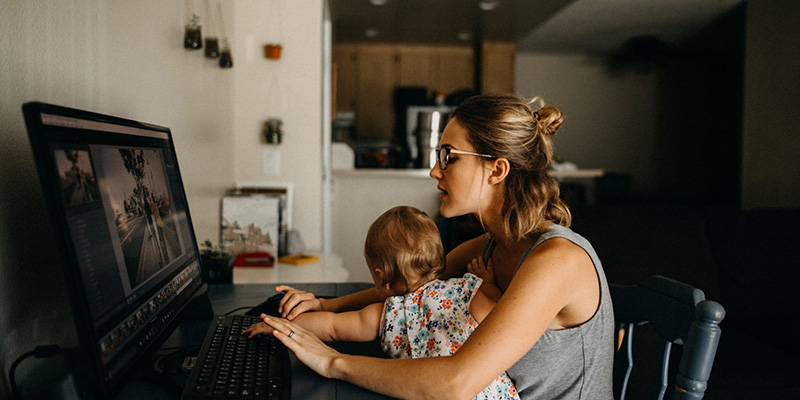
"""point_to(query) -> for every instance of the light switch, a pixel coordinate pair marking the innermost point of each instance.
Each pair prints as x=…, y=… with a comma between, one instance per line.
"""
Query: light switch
x=272, y=161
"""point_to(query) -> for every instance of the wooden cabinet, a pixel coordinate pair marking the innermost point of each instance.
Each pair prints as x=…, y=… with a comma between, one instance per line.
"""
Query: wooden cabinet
x=497, y=67
x=367, y=74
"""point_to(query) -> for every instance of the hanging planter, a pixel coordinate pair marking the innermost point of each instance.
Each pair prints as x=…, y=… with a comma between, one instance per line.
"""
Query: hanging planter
x=212, y=47
x=273, y=131
x=273, y=48
x=211, y=41
x=225, y=57
x=193, y=39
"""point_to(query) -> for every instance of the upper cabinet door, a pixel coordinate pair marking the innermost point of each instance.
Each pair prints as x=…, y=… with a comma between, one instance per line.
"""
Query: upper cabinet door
x=367, y=75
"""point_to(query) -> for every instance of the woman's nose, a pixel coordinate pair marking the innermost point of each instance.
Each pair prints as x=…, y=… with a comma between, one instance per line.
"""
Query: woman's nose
x=436, y=172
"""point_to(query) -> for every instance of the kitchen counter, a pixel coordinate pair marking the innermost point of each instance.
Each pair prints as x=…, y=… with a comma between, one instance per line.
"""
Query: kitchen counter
x=425, y=173
x=360, y=195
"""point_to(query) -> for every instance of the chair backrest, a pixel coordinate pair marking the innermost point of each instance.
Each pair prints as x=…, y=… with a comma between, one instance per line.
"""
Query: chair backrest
x=678, y=313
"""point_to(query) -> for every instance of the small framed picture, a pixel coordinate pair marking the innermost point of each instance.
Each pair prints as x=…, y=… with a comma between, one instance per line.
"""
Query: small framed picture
x=251, y=222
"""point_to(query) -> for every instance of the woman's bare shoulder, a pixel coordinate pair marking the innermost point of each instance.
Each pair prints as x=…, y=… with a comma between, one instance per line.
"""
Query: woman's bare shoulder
x=557, y=262
x=562, y=250
x=568, y=271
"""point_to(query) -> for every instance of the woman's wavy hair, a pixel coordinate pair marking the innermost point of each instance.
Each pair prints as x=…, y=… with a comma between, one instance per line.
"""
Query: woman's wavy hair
x=404, y=240
x=509, y=127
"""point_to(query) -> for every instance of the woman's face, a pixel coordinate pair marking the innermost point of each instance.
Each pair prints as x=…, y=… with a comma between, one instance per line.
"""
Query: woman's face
x=461, y=184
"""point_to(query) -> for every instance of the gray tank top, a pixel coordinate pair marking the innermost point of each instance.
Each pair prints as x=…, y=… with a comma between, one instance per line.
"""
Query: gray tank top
x=574, y=363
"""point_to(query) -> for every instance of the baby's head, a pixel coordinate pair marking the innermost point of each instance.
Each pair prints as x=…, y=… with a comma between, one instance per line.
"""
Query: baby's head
x=403, y=250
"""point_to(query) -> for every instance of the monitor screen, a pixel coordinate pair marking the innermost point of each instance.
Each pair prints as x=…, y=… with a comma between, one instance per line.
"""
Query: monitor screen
x=122, y=223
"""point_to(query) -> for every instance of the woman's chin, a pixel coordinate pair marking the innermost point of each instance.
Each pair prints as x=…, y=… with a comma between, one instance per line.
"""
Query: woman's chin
x=447, y=212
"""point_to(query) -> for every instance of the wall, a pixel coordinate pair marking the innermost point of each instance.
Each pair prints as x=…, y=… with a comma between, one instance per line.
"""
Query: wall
x=609, y=120
x=672, y=122
x=290, y=88
x=717, y=126
x=127, y=59
x=771, y=141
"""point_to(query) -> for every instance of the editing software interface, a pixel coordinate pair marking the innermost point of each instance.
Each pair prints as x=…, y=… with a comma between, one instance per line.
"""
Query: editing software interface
x=115, y=187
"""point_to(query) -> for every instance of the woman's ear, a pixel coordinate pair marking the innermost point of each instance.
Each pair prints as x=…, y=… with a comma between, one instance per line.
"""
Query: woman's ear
x=500, y=168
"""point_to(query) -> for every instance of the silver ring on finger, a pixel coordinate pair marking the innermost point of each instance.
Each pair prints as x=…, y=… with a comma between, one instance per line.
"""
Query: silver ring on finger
x=291, y=334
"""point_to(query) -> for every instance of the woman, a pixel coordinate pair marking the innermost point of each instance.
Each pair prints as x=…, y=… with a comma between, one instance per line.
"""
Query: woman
x=552, y=327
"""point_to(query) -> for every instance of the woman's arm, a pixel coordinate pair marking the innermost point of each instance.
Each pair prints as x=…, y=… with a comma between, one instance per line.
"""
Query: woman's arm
x=552, y=277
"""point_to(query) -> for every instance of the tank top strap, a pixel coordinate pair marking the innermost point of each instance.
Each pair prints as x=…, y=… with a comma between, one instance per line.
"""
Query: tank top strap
x=525, y=255
x=491, y=243
x=488, y=249
x=554, y=231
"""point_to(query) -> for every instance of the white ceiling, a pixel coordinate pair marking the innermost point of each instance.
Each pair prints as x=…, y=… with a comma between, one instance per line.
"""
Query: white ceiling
x=552, y=26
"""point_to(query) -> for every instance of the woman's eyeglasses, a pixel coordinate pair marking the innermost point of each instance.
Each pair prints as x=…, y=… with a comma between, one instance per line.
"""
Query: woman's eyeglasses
x=443, y=155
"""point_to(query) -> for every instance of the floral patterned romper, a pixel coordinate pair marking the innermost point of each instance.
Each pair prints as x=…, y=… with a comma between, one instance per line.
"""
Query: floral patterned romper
x=434, y=321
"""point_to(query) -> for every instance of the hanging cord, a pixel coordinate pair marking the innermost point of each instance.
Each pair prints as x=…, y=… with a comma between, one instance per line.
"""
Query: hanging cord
x=277, y=23
x=39, y=352
x=187, y=10
x=223, y=32
x=210, y=31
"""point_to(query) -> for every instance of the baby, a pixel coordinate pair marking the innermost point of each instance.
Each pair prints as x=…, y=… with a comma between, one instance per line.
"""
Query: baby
x=422, y=316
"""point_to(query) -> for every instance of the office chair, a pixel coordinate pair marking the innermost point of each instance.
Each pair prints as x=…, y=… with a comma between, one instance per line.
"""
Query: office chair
x=678, y=313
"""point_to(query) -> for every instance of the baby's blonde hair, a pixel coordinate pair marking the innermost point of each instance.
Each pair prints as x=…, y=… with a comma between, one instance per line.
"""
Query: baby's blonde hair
x=405, y=241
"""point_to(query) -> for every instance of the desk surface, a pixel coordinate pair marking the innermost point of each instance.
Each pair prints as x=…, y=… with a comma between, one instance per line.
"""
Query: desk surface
x=328, y=268
x=306, y=384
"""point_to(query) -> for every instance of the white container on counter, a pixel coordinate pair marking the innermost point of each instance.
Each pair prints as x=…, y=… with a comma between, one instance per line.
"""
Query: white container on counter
x=342, y=156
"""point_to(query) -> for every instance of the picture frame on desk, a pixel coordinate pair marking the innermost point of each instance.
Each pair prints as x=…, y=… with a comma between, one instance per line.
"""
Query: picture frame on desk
x=253, y=221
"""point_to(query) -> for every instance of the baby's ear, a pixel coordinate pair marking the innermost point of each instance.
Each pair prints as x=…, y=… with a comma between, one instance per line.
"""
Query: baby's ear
x=382, y=276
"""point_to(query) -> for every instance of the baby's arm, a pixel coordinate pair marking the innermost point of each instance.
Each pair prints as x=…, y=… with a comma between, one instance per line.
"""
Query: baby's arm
x=485, y=272
x=481, y=305
x=352, y=326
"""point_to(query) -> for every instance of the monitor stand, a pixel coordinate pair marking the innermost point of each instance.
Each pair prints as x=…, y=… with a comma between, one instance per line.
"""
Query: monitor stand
x=199, y=308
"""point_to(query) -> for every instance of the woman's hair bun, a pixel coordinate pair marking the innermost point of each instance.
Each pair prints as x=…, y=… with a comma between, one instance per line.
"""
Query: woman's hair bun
x=549, y=119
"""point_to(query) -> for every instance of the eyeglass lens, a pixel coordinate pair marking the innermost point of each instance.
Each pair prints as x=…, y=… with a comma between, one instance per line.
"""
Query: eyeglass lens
x=444, y=157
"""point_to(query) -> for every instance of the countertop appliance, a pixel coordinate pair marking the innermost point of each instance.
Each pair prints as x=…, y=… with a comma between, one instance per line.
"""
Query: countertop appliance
x=425, y=126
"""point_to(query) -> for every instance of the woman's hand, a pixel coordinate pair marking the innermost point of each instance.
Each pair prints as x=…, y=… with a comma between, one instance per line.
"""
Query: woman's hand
x=258, y=329
x=485, y=272
x=306, y=346
x=296, y=302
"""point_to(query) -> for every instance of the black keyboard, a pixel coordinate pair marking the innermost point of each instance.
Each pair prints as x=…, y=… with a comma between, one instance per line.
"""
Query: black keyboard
x=231, y=366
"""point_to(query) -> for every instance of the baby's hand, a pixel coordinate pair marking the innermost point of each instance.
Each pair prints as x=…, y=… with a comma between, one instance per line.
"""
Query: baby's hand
x=259, y=328
x=485, y=272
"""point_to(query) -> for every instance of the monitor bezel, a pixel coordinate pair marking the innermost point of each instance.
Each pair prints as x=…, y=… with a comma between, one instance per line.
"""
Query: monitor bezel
x=37, y=131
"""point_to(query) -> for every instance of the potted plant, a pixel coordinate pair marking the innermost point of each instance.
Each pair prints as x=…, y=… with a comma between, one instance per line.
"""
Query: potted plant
x=216, y=263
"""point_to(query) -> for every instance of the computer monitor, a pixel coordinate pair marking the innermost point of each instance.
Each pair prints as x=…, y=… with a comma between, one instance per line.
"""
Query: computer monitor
x=121, y=219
